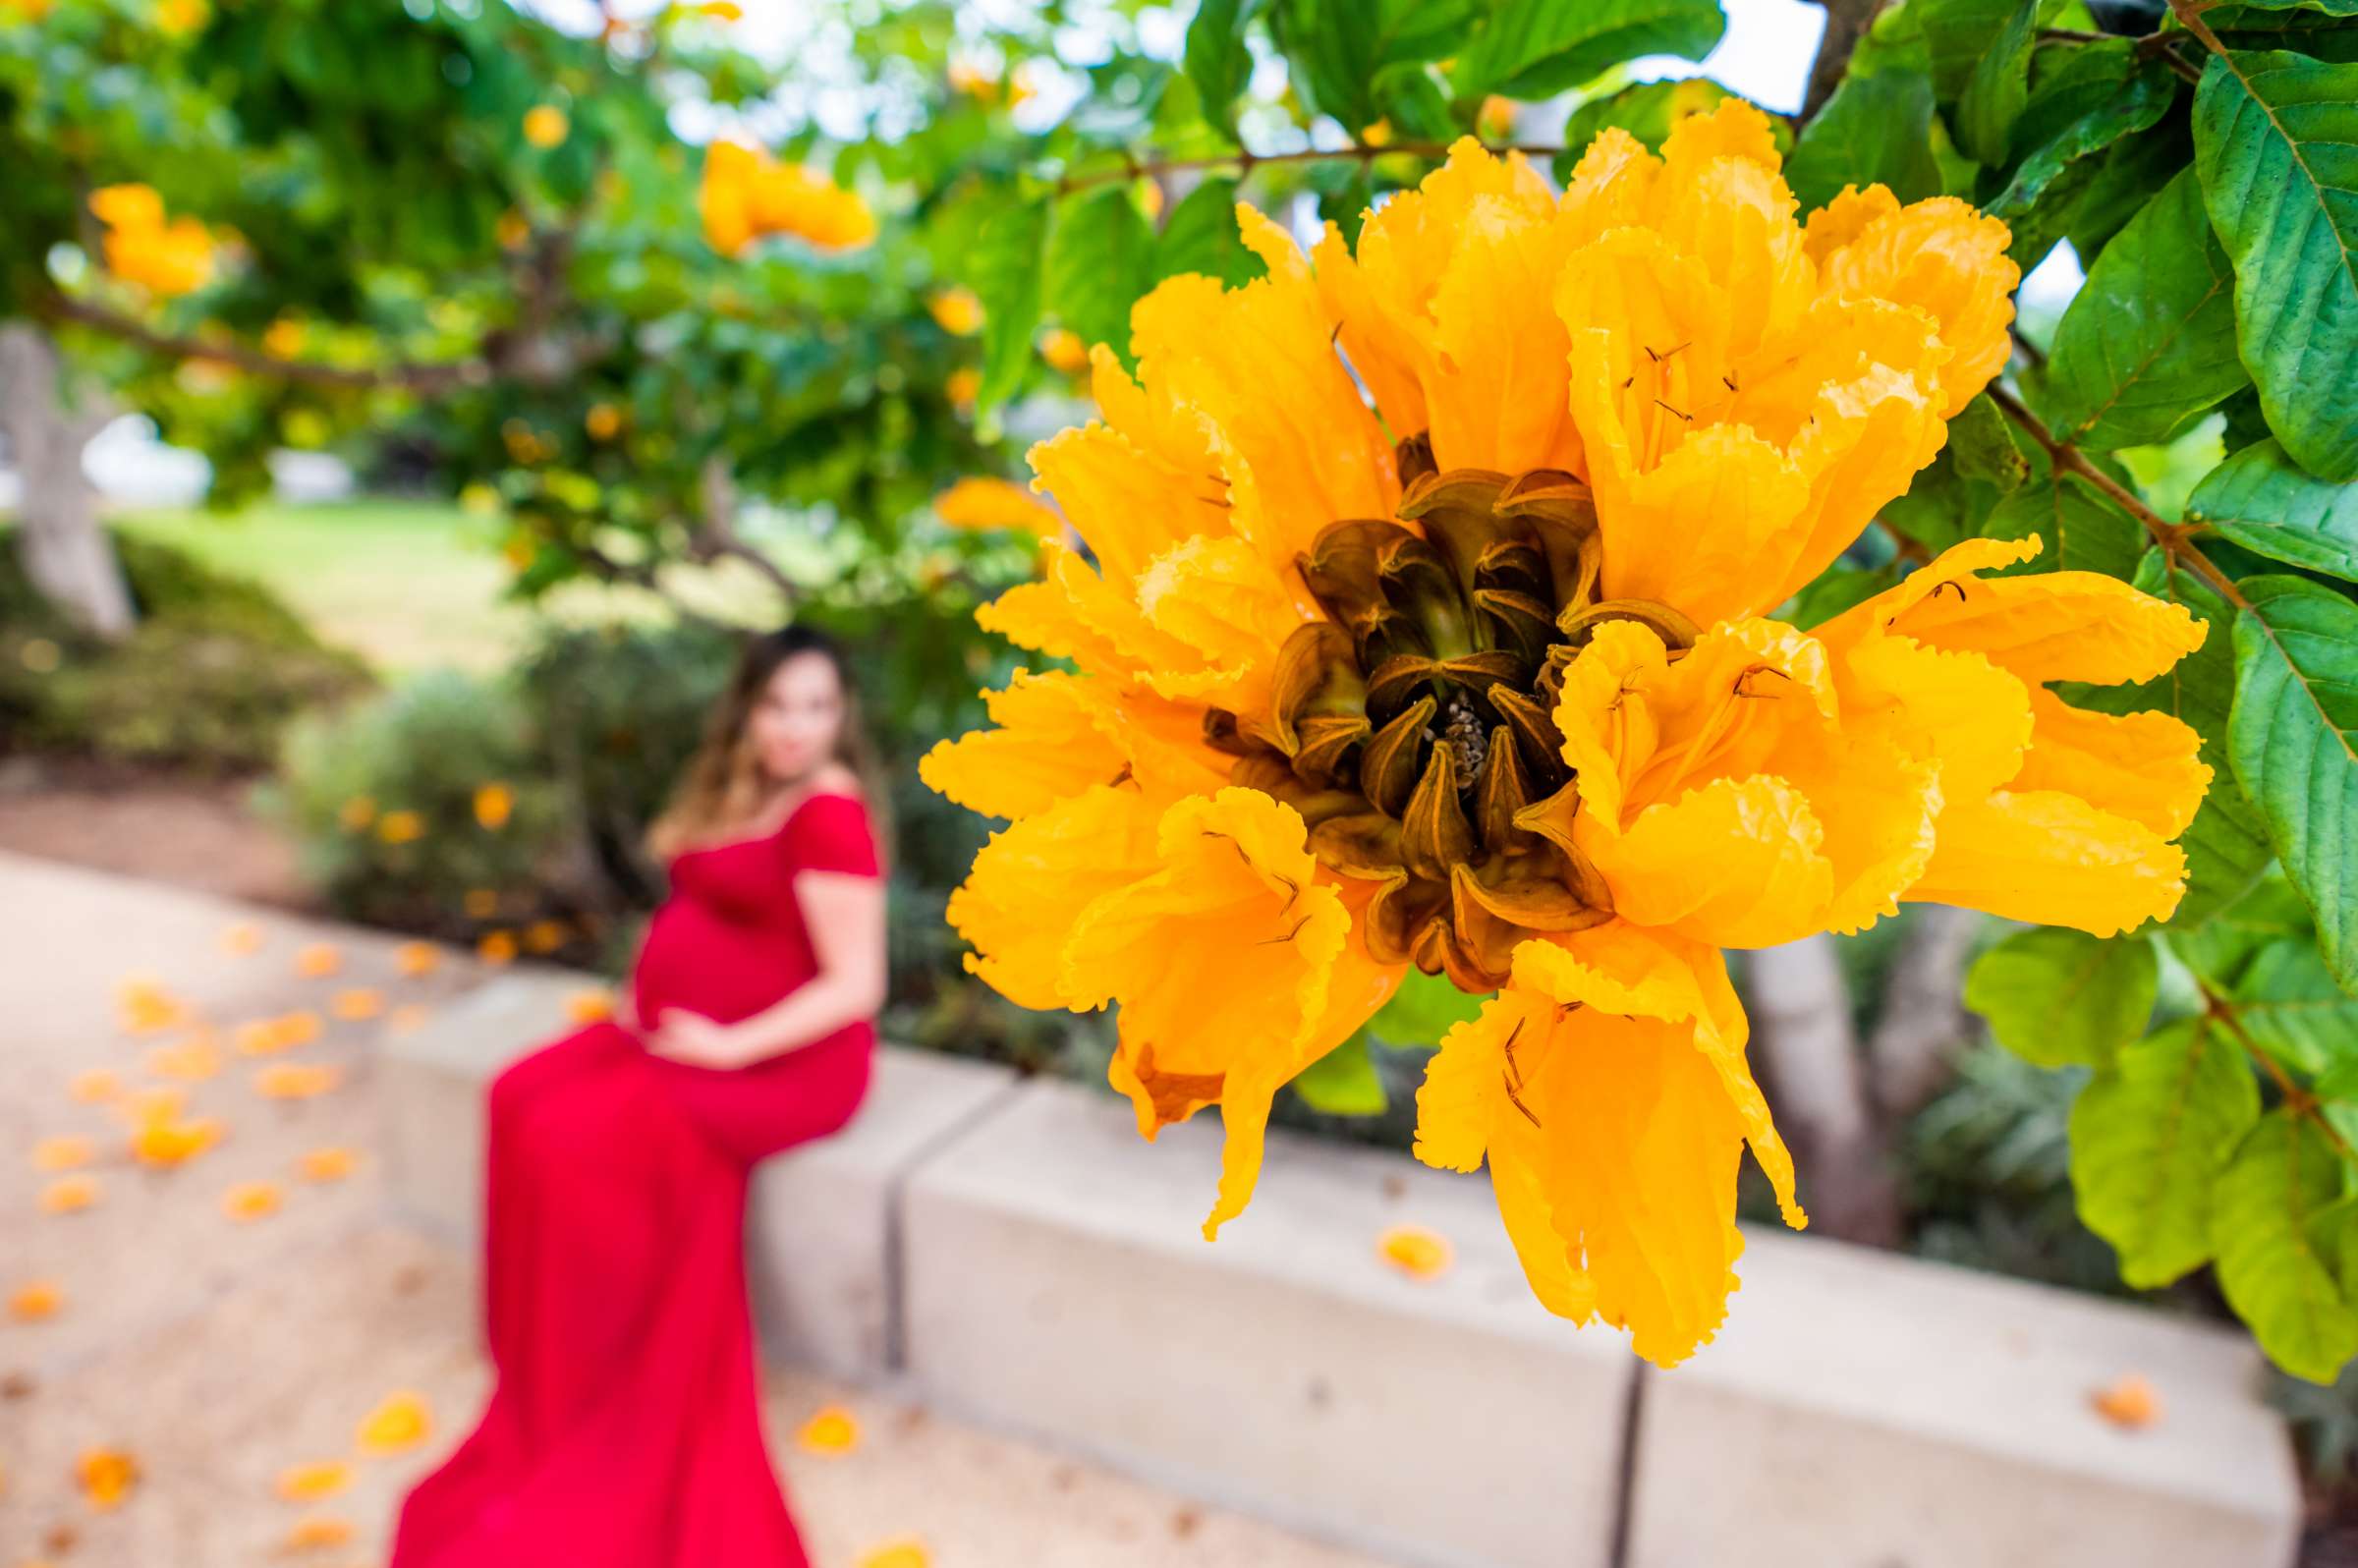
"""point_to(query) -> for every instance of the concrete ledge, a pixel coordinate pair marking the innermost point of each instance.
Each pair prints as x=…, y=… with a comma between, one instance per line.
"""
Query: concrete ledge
x=1034, y=1264
x=1866, y=1411
x=821, y=1230
x=824, y=1231
x=1058, y=1284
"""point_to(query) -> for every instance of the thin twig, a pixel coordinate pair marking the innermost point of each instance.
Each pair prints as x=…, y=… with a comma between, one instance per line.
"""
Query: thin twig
x=1133, y=168
x=413, y=377
x=2301, y=1102
x=2070, y=36
x=2172, y=538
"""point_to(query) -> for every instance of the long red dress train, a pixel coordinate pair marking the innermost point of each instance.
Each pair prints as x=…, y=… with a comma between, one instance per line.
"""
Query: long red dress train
x=623, y=1428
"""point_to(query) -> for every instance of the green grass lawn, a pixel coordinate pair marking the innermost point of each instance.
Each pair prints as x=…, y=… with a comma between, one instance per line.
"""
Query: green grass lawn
x=409, y=584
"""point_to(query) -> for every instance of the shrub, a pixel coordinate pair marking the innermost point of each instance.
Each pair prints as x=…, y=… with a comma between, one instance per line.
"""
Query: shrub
x=382, y=800
x=208, y=681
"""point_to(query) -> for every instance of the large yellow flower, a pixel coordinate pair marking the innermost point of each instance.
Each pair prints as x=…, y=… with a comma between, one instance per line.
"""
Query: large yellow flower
x=1471, y=670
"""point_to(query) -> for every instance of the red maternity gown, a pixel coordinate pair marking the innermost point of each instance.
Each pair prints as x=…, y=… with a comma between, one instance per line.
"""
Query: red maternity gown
x=622, y=1430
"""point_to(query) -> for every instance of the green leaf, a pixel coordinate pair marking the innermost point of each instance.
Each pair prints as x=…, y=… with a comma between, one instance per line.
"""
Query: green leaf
x=1980, y=442
x=2090, y=103
x=1338, y=47
x=1954, y=33
x=1833, y=591
x=2083, y=529
x=2226, y=845
x=2151, y=1136
x=2224, y=945
x=2273, y=134
x=1100, y=259
x=1536, y=49
x=2331, y=8
x=2293, y=1011
x=2054, y=996
x=1422, y=1010
x=1343, y=1081
x=1200, y=236
x=1218, y=60
x=1009, y=245
x=2284, y=1175
x=1647, y=111
x=1873, y=130
x=2149, y=342
x=1998, y=89
x=2272, y=506
x=2294, y=740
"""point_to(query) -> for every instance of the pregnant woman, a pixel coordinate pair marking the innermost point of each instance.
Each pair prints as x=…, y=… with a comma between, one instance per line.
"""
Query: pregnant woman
x=623, y=1430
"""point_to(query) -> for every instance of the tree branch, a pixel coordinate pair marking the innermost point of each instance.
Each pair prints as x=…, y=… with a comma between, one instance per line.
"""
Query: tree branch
x=1846, y=22
x=424, y=378
x=2175, y=539
x=1247, y=161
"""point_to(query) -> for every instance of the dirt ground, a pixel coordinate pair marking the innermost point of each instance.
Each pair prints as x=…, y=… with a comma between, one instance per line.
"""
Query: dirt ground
x=214, y=1354
x=195, y=834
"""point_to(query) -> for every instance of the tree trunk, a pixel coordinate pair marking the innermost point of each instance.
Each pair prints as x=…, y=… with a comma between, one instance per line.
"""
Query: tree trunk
x=1801, y=1023
x=1923, y=1025
x=66, y=553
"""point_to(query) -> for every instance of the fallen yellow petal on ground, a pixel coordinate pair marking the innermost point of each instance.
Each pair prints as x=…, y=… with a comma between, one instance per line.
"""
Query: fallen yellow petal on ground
x=318, y=959
x=191, y=1060
x=105, y=1475
x=242, y=939
x=331, y=1163
x=402, y=1419
x=94, y=1084
x=309, y=1483
x=496, y=947
x=313, y=1530
x=361, y=1001
x=295, y=1080
x=167, y=1142
x=2132, y=1402
x=249, y=1200
x=147, y=1106
x=407, y=1017
x=62, y=1154
x=590, y=1006
x=36, y=1300
x=144, y=1006
x=1416, y=1252
x=414, y=959
x=906, y=1552
x=831, y=1431
x=295, y=1029
x=70, y=1193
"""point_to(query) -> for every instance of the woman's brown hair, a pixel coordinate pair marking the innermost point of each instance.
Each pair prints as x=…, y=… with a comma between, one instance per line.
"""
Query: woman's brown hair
x=722, y=786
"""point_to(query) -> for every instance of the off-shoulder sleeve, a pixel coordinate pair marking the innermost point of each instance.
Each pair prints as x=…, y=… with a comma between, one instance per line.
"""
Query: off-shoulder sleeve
x=831, y=833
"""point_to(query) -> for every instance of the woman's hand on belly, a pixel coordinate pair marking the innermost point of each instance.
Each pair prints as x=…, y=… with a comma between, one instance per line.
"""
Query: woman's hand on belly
x=698, y=1041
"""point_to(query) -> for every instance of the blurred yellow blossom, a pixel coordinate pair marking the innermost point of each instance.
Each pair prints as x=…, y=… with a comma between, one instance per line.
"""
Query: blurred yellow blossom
x=496, y=947
x=493, y=801
x=167, y=258
x=545, y=124
x=988, y=503
x=963, y=385
x=957, y=310
x=401, y=827
x=1065, y=351
x=414, y=959
x=747, y=195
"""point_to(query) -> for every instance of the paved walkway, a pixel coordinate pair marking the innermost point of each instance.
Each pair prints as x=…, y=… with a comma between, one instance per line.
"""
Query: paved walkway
x=217, y=1353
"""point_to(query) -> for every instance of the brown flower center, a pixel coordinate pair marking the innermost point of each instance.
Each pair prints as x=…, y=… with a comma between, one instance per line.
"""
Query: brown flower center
x=1414, y=727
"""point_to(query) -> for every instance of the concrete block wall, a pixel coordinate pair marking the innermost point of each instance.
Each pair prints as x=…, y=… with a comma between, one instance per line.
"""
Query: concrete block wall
x=1015, y=1253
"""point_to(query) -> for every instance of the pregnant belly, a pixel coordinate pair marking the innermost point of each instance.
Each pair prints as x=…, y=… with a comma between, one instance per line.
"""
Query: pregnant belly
x=697, y=960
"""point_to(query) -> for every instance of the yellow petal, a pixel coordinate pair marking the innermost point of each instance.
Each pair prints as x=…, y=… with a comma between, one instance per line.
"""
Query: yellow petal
x=1030, y=882
x=987, y=503
x=2144, y=766
x=1224, y=962
x=1943, y=258
x=1059, y=734
x=1846, y=217
x=2056, y=860
x=1129, y=506
x=2046, y=626
x=1220, y=598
